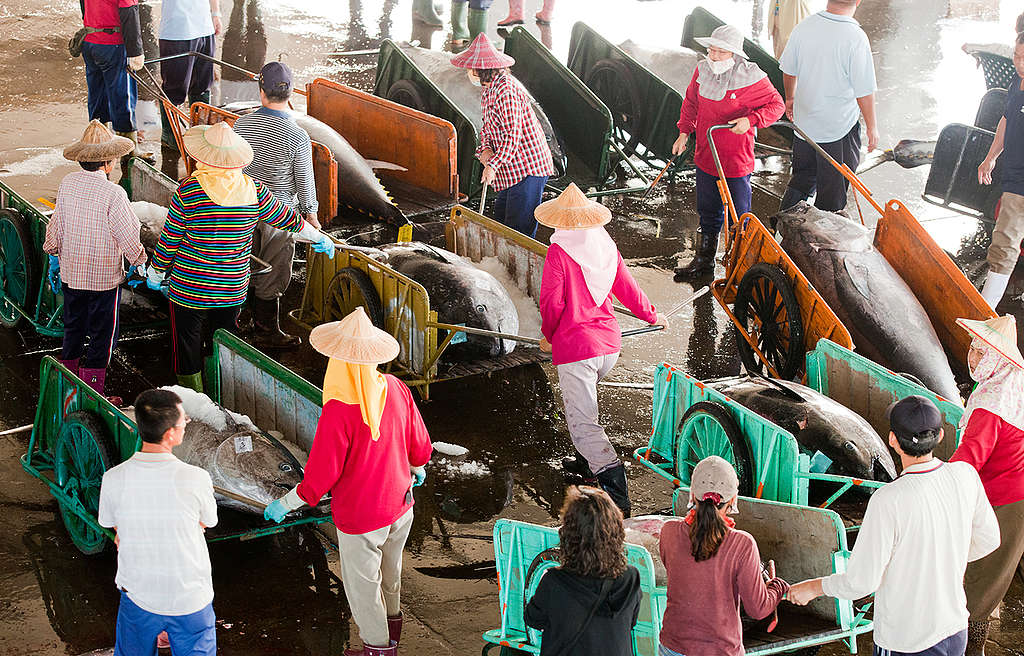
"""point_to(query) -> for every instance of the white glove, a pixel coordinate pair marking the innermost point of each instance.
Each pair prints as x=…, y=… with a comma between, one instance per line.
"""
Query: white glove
x=136, y=63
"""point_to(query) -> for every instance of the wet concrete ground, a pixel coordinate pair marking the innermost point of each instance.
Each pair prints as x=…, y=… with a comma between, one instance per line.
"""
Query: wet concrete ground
x=277, y=595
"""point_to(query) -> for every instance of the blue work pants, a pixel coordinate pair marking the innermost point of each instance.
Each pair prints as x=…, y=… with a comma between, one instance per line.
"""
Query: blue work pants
x=709, y=201
x=112, y=93
x=194, y=634
x=514, y=205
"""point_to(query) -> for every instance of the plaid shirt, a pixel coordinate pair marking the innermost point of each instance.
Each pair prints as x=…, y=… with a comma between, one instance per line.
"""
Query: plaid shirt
x=91, y=230
x=513, y=132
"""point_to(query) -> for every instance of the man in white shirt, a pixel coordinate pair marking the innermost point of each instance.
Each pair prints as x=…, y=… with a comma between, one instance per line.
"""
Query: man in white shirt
x=919, y=533
x=159, y=508
x=187, y=26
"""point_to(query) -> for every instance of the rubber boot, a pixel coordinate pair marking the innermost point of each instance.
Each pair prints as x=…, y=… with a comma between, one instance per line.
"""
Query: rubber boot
x=977, y=634
x=166, y=132
x=203, y=97
x=995, y=285
x=96, y=379
x=577, y=465
x=71, y=365
x=134, y=138
x=191, y=381
x=395, y=628
x=515, y=14
x=477, y=22
x=266, y=325
x=547, y=12
x=425, y=12
x=460, y=24
x=613, y=481
x=368, y=650
x=703, y=262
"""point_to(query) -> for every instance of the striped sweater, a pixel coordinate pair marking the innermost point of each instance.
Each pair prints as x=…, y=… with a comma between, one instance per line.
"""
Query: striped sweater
x=283, y=157
x=205, y=247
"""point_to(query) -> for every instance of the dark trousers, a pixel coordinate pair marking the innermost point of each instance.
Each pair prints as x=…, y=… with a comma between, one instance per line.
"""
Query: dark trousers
x=478, y=4
x=813, y=172
x=709, y=201
x=514, y=206
x=93, y=316
x=112, y=93
x=954, y=645
x=192, y=334
x=189, y=77
x=136, y=631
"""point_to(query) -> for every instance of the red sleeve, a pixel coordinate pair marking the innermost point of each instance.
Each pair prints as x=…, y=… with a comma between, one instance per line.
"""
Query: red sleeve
x=978, y=439
x=765, y=102
x=417, y=439
x=552, y=292
x=759, y=598
x=688, y=113
x=327, y=457
x=629, y=294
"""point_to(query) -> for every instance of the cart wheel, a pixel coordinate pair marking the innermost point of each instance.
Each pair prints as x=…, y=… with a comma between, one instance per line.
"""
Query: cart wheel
x=612, y=82
x=707, y=429
x=542, y=562
x=408, y=93
x=19, y=275
x=349, y=289
x=767, y=308
x=80, y=457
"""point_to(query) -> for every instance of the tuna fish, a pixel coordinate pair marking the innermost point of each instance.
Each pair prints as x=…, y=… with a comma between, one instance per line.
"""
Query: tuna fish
x=461, y=294
x=817, y=422
x=885, y=319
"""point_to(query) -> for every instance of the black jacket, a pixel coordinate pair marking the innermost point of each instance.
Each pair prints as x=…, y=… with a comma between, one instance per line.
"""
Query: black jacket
x=562, y=602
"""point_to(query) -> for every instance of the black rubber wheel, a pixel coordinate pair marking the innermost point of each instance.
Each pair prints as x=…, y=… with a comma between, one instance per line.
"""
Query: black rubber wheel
x=767, y=308
x=350, y=288
x=408, y=93
x=708, y=429
x=540, y=564
x=81, y=455
x=613, y=82
x=19, y=270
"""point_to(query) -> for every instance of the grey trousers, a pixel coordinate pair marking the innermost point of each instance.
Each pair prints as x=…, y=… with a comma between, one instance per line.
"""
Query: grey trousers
x=578, y=381
x=371, y=571
x=277, y=248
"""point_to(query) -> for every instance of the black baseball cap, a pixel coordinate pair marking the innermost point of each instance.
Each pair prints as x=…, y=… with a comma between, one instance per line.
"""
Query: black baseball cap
x=276, y=77
x=912, y=416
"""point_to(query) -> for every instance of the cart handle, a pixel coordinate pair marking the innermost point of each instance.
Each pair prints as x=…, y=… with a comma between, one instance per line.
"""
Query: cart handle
x=723, y=185
x=219, y=62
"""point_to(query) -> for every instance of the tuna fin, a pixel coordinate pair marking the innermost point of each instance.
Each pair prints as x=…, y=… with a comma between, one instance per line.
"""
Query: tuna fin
x=378, y=165
x=858, y=276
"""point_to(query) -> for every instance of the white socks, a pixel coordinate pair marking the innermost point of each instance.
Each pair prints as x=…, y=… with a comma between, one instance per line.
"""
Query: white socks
x=995, y=285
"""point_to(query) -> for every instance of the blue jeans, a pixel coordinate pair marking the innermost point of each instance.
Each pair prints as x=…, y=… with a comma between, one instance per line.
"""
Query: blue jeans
x=194, y=634
x=514, y=206
x=112, y=94
x=709, y=201
x=662, y=649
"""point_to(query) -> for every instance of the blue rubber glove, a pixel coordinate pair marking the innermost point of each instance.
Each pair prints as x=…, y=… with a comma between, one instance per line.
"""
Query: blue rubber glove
x=139, y=273
x=155, y=280
x=275, y=511
x=419, y=475
x=54, y=274
x=324, y=244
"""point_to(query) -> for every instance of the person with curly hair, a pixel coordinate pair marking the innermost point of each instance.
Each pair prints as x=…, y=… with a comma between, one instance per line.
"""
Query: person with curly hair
x=711, y=568
x=590, y=603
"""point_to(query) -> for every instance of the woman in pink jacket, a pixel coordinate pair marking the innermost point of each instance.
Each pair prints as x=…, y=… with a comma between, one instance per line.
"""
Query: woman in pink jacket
x=582, y=271
x=726, y=88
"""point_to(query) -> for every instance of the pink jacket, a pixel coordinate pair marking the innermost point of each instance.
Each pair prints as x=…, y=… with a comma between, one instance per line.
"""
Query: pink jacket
x=576, y=328
x=368, y=480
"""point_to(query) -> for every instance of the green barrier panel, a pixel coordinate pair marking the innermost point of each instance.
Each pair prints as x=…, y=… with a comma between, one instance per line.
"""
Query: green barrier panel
x=577, y=115
x=394, y=66
x=654, y=104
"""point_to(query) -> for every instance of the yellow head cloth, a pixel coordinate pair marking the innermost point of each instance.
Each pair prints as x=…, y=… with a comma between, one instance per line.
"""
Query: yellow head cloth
x=358, y=384
x=226, y=187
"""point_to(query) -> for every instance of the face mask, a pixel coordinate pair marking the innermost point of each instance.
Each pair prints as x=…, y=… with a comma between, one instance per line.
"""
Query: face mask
x=719, y=67
x=473, y=79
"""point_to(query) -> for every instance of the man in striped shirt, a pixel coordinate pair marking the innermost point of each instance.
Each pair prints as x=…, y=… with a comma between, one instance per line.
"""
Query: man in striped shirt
x=283, y=161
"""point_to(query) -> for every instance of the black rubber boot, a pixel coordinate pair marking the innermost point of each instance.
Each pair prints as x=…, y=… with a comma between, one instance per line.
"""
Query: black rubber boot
x=703, y=262
x=613, y=481
x=266, y=320
x=578, y=465
x=203, y=97
x=977, y=634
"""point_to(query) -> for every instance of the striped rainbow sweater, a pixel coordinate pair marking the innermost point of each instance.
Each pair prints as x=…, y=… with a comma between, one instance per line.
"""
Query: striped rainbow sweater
x=205, y=247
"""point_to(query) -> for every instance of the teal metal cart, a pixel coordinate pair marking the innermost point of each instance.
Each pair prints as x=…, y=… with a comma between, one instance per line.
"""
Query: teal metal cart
x=78, y=435
x=804, y=542
x=692, y=421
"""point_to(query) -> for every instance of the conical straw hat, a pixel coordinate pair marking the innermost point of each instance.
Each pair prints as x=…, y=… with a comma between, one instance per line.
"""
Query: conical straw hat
x=354, y=339
x=98, y=144
x=481, y=54
x=572, y=211
x=999, y=333
x=218, y=146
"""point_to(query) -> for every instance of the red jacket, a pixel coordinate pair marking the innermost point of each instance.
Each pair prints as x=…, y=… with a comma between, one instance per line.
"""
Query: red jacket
x=368, y=480
x=996, y=449
x=759, y=102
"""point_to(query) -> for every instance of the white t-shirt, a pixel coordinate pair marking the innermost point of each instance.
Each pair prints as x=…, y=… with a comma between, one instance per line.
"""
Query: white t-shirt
x=919, y=533
x=157, y=503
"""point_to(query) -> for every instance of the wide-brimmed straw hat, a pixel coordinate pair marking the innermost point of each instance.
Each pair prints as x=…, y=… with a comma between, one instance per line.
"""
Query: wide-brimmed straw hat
x=218, y=146
x=572, y=210
x=999, y=333
x=98, y=144
x=725, y=37
x=354, y=339
x=482, y=55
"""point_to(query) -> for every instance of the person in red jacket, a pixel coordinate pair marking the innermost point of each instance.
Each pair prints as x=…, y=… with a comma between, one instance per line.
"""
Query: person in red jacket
x=992, y=440
x=725, y=89
x=368, y=452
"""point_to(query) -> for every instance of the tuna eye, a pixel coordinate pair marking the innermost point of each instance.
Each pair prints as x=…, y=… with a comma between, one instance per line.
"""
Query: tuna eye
x=481, y=308
x=849, y=445
x=285, y=467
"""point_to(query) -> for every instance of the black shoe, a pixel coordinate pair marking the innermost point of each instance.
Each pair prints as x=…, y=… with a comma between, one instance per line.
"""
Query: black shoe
x=703, y=262
x=613, y=481
x=267, y=333
x=577, y=465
